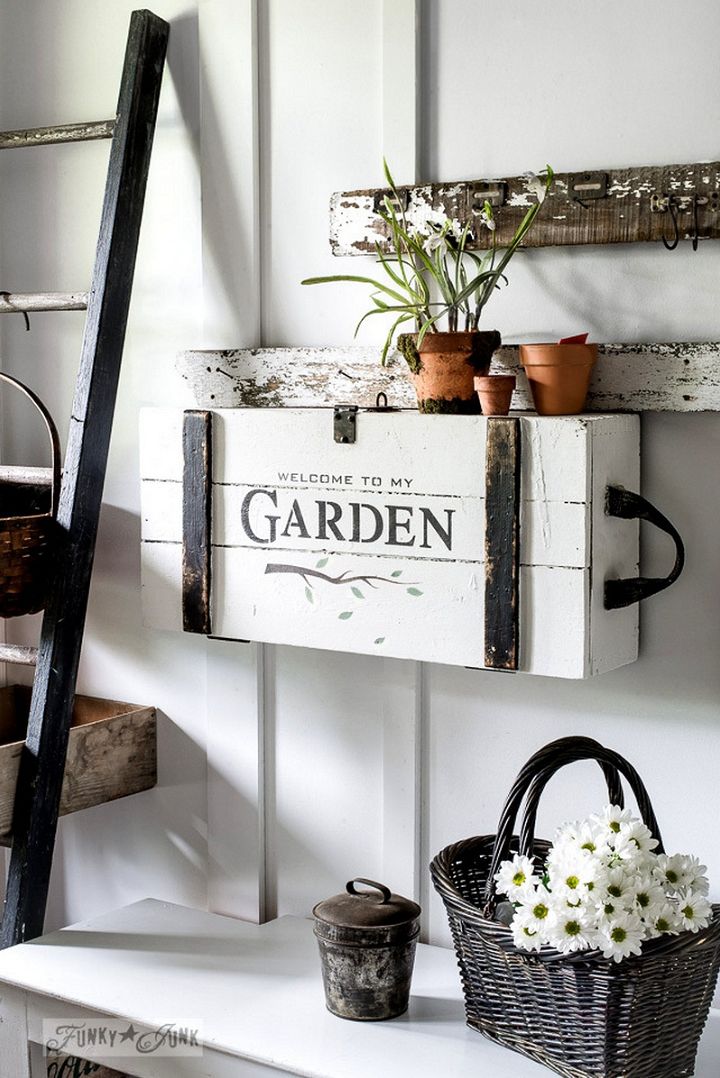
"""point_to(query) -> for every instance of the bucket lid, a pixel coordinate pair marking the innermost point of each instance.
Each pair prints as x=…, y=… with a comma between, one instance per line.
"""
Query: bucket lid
x=366, y=909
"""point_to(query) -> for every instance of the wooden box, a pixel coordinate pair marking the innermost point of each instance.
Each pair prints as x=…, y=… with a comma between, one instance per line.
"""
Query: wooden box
x=112, y=752
x=378, y=546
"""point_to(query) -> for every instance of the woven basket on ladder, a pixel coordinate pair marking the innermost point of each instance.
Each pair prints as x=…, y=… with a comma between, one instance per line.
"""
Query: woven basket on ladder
x=581, y=1015
x=28, y=531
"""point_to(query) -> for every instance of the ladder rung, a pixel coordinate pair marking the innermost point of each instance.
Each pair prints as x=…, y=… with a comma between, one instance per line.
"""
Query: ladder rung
x=13, y=302
x=26, y=477
x=18, y=654
x=48, y=136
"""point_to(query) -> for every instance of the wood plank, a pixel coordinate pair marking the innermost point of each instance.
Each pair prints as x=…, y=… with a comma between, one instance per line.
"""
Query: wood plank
x=502, y=543
x=112, y=753
x=27, y=302
x=46, y=136
x=624, y=215
x=18, y=654
x=37, y=801
x=675, y=377
x=197, y=521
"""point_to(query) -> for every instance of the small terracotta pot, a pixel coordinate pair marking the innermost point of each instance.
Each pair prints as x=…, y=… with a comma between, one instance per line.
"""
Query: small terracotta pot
x=559, y=375
x=448, y=364
x=495, y=392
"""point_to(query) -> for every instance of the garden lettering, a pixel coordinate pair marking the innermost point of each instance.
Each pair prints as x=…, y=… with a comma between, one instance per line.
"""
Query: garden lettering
x=270, y=516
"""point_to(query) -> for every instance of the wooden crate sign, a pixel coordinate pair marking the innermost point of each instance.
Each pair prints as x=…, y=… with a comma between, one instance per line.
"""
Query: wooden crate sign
x=379, y=546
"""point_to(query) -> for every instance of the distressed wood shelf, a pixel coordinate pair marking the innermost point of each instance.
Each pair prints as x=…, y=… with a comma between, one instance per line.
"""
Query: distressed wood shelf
x=614, y=206
x=627, y=378
x=112, y=752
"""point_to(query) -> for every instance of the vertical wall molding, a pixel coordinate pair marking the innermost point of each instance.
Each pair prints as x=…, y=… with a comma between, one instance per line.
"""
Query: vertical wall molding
x=232, y=44
x=401, y=88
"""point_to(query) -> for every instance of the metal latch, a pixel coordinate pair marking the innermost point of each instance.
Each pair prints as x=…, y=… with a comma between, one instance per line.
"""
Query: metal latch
x=492, y=191
x=399, y=202
x=588, y=185
x=345, y=423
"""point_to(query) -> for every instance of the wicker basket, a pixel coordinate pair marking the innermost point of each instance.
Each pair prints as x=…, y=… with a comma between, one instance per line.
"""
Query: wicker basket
x=583, y=1016
x=28, y=530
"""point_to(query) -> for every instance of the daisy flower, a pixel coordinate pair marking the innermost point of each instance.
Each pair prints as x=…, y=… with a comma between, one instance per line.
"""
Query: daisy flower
x=664, y=921
x=622, y=937
x=634, y=840
x=694, y=909
x=611, y=818
x=648, y=895
x=570, y=931
x=516, y=876
x=528, y=931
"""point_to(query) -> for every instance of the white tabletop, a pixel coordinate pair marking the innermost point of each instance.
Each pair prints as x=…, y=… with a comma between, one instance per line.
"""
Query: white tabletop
x=256, y=992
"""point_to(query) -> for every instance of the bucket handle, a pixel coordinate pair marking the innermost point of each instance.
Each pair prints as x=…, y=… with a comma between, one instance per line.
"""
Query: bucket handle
x=385, y=891
x=52, y=434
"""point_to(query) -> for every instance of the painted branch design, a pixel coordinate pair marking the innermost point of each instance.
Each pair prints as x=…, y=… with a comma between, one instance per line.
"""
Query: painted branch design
x=344, y=578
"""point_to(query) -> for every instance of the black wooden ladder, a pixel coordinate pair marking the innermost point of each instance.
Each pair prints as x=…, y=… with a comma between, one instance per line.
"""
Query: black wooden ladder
x=37, y=798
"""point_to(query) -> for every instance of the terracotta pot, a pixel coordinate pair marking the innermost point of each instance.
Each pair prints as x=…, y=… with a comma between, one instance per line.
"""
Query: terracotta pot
x=448, y=362
x=495, y=392
x=559, y=375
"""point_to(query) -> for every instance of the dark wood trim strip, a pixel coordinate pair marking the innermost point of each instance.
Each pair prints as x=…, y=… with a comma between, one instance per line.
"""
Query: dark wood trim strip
x=197, y=521
x=502, y=543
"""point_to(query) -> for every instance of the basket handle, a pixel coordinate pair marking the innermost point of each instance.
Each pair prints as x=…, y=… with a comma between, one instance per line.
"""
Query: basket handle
x=52, y=434
x=532, y=781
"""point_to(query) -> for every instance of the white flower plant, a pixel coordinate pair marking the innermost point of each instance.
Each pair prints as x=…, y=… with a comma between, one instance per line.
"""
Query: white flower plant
x=603, y=887
x=430, y=272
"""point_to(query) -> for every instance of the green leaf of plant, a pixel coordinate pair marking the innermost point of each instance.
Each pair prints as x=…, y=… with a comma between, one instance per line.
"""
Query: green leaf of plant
x=396, y=572
x=414, y=591
x=345, y=615
x=380, y=640
x=357, y=593
x=322, y=563
x=309, y=595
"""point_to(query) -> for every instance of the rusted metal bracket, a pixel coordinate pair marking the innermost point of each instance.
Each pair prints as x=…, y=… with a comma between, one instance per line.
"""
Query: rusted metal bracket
x=629, y=506
x=345, y=423
x=502, y=543
x=197, y=522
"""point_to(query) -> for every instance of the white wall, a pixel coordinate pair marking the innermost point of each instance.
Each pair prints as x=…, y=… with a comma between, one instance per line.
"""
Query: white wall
x=307, y=767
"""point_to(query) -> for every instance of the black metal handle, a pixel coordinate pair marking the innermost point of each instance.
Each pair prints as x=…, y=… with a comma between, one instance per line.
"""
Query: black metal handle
x=532, y=780
x=629, y=506
x=52, y=435
x=385, y=891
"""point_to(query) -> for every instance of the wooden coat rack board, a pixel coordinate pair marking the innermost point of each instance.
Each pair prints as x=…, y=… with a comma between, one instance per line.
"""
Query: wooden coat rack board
x=629, y=205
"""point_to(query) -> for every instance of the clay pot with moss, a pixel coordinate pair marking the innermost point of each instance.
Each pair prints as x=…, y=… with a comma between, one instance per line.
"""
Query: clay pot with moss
x=444, y=368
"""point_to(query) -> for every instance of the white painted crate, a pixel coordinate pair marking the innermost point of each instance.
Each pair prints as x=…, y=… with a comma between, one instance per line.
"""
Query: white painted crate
x=285, y=494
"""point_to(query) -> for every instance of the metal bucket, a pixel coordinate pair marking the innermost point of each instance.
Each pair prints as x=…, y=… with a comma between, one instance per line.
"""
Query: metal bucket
x=367, y=942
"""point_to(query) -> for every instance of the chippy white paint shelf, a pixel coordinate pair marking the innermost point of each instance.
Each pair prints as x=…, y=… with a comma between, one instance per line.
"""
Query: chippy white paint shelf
x=674, y=377
x=377, y=547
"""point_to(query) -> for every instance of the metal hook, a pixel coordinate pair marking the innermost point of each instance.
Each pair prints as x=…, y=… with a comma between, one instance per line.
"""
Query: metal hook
x=6, y=295
x=695, y=236
x=673, y=211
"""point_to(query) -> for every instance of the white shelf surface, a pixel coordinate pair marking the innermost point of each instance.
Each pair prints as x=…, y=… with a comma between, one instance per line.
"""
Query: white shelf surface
x=255, y=992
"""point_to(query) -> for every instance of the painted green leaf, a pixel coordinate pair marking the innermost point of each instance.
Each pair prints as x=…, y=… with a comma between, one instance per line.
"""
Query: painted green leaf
x=380, y=640
x=322, y=563
x=357, y=593
x=345, y=615
x=396, y=572
x=414, y=591
x=309, y=595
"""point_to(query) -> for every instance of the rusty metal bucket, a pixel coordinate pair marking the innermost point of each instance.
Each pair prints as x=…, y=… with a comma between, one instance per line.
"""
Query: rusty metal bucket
x=367, y=942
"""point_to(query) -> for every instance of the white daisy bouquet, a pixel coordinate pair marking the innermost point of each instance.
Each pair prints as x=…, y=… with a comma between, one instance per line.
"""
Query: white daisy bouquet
x=603, y=887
